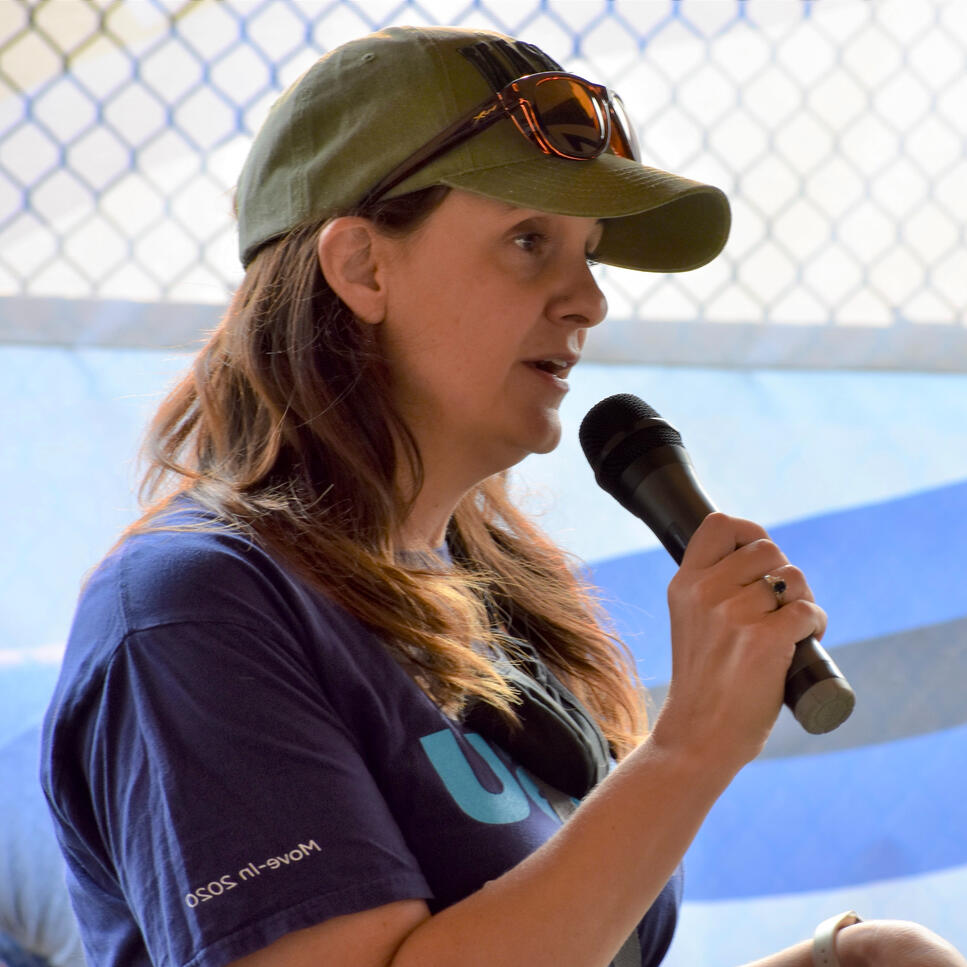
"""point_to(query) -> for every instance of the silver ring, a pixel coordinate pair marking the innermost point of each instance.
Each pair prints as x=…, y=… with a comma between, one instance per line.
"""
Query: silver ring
x=778, y=587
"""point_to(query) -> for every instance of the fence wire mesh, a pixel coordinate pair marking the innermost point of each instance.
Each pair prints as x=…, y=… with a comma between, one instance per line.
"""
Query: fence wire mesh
x=837, y=127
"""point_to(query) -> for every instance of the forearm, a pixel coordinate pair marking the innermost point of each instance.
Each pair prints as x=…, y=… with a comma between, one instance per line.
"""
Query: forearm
x=575, y=900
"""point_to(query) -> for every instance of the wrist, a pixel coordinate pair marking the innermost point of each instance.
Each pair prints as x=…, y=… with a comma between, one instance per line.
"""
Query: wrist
x=709, y=751
x=701, y=763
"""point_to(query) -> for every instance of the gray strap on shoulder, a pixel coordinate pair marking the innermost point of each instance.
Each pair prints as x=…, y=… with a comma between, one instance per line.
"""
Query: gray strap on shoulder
x=630, y=953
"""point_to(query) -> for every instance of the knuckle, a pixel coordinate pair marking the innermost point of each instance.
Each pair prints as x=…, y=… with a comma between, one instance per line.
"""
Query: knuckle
x=714, y=524
x=800, y=609
x=793, y=575
x=762, y=551
x=762, y=544
x=752, y=527
x=692, y=588
x=804, y=617
x=729, y=612
x=768, y=556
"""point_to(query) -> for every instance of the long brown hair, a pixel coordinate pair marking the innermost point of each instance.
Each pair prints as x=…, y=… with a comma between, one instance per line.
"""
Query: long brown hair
x=284, y=427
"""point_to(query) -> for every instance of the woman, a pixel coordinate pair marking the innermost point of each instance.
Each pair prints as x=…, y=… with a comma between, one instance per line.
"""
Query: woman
x=329, y=700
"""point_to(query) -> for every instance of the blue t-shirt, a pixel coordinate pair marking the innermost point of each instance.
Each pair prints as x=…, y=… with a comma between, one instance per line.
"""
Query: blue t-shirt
x=230, y=757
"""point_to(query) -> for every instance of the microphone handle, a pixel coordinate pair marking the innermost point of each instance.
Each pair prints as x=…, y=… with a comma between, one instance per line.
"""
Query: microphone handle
x=661, y=488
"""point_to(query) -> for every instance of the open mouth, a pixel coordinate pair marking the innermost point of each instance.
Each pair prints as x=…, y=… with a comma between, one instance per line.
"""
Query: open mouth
x=556, y=367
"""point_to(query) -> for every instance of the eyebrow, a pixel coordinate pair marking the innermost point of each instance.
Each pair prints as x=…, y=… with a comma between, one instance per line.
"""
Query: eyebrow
x=509, y=207
x=538, y=213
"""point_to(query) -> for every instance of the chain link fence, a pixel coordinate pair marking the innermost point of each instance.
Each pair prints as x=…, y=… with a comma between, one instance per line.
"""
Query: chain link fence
x=837, y=127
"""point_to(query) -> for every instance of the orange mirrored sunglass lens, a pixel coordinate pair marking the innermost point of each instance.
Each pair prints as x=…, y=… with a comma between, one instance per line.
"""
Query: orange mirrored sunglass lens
x=570, y=117
x=567, y=117
x=573, y=120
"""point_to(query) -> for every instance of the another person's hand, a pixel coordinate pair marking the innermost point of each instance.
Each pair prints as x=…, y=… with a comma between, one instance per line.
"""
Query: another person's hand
x=894, y=943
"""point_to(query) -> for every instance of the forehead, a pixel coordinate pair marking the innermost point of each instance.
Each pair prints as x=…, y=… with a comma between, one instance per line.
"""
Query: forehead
x=467, y=204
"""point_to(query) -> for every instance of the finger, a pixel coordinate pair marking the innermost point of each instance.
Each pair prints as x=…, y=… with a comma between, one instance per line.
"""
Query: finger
x=780, y=586
x=777, y=588
x=772, y=591
x=717, y=537
x=797, y=620
x=748, y=563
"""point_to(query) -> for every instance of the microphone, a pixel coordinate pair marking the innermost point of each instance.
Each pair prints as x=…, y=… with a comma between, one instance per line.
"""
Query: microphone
x=640, y=460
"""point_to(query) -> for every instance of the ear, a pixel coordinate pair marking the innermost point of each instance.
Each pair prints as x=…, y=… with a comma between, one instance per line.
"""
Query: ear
x=348, y=251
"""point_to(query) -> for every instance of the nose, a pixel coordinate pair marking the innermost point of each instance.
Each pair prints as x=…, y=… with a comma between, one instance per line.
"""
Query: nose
x=580, y=301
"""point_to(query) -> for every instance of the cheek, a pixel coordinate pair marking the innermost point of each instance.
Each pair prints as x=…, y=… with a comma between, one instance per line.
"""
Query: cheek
x=463, y=328
x=454, y=327
x=430, y=360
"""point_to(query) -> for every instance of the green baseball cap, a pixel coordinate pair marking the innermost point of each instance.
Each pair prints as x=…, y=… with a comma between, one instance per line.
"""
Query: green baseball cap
x=365, y=107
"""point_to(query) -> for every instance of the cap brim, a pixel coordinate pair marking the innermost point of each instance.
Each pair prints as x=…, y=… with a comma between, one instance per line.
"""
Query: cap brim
x=656, y=221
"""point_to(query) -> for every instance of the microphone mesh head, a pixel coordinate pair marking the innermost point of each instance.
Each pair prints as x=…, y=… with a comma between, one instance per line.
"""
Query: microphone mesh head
x=619, y=414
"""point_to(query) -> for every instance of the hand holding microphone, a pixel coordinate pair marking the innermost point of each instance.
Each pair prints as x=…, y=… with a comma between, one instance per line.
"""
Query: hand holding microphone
x=640, y=460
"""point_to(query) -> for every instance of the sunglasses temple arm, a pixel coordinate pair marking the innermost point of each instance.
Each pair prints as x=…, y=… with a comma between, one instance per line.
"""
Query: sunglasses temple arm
x=461, y=130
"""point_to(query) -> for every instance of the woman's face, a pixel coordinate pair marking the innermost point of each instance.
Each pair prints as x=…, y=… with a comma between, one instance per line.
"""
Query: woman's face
x=487, y=311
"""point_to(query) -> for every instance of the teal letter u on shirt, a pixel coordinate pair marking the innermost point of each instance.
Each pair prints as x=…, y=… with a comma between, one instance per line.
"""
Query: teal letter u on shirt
x=511, y=805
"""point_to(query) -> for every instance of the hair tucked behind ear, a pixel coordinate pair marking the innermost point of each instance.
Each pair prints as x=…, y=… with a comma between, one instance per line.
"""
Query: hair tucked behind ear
x=284, y=427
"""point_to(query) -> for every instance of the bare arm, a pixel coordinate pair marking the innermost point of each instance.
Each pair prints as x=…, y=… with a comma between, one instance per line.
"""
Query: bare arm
x=575, y=900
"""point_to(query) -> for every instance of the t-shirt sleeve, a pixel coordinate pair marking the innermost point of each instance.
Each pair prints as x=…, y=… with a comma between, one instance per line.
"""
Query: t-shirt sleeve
x=234, y=804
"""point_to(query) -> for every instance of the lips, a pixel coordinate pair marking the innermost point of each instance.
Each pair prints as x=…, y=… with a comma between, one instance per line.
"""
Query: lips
x=558, y=366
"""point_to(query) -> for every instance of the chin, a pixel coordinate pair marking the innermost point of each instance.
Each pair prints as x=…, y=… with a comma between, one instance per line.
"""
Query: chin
x=548, y=438
x=540, y=437
x=549, y=445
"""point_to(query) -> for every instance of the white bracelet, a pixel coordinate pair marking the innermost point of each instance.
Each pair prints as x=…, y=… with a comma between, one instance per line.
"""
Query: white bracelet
x=824, y=939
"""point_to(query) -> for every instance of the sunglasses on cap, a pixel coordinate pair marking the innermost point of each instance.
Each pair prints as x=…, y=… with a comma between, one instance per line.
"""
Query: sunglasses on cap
x=564, y=115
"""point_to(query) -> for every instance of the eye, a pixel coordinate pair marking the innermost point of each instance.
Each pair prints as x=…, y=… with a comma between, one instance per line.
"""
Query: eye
x=530, y=241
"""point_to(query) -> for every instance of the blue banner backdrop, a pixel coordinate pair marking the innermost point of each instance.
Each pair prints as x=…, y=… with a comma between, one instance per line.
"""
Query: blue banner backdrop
x=861, y=477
